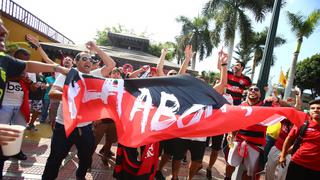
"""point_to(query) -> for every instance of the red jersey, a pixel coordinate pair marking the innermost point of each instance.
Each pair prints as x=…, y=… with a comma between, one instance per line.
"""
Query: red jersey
x=286, y=126
x=236, y=85
x=308, y=155
x=255, y=134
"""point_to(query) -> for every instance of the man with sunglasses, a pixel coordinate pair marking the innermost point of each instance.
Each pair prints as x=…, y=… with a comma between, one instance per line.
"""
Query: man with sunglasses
x=82, y=136
x=13, y=68
x=237, y=82
x=248, y=142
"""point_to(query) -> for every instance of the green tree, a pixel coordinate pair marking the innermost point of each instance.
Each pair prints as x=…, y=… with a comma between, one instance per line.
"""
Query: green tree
x=210, y=77
x=155, y=49
x=302, y=27
x=258, y=41
x=196, y=32
x=102, y=38
x=230, y=16
x=254, y=50
x=308, y=74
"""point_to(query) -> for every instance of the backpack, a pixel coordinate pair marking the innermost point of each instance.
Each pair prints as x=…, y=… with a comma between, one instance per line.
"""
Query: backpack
x=302, y=131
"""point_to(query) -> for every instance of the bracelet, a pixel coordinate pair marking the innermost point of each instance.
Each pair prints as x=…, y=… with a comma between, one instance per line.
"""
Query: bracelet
x=224, y=64
x=55, y=68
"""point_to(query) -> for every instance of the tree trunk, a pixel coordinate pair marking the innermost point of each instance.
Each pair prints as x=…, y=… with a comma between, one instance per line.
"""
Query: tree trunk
x=253, y=68
x=230, y=51
x=292, y=72
x=193, y=62
x=231, y=40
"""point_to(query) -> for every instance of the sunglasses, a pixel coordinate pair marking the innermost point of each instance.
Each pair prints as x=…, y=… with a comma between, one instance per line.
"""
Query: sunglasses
x=254, y=89
x=85, y=58
x=172, y=74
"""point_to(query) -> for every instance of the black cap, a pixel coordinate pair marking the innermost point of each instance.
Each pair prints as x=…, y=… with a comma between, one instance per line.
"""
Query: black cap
x=315, y=101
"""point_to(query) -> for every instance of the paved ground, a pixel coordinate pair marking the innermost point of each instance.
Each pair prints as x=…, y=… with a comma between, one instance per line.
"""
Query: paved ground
x=37, y=147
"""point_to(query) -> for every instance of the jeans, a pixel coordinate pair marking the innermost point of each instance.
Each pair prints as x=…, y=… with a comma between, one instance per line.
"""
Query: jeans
x=273, y=165
x=2, y=160
x=270, y=142
x=82, y=138
x=44, y=110
x=12, y=115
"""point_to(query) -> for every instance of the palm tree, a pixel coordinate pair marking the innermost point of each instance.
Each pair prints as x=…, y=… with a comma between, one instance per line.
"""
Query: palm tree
x=230, y=16
x=302, y=28
x=255, y=49
x=196, y=33
x=257, y=43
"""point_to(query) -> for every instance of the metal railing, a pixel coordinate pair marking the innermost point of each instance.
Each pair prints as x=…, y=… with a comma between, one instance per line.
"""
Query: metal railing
x=23, y=16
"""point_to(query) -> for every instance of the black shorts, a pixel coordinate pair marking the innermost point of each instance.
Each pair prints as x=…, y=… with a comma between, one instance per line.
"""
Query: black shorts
x=166, y=146
x=296, y=171
x=196, y=148
x=216, y=142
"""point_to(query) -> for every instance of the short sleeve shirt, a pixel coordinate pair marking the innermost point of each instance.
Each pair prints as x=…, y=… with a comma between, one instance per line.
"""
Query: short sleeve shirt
x=9, y=68
x=308, y=155
x=60, y=83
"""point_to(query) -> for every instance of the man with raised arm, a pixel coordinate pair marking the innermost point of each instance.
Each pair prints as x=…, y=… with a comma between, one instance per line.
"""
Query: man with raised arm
x=13, y=68
x=82, y=136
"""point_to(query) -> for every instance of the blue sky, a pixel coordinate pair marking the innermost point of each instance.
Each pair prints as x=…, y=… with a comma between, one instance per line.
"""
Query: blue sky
x=309, y=47
x=79, y=20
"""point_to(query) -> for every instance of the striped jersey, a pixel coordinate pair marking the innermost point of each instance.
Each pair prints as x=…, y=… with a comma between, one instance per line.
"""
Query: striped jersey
x=236, y=85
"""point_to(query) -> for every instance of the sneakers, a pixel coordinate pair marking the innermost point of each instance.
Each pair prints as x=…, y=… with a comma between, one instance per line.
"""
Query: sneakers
x=31, y=127
x=159, y=176
x=20, y=156
x=209, y=174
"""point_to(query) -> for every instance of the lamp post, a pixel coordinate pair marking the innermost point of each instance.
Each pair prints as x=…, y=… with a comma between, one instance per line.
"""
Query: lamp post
x=268, y=50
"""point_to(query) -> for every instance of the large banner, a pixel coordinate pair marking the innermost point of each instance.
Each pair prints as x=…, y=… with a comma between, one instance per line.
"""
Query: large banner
x=155, y=109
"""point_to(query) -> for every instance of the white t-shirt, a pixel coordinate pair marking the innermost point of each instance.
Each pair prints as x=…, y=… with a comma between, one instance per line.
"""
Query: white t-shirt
x=228, y=97
x=13, y=95
x=60, y=83
x=32, y=77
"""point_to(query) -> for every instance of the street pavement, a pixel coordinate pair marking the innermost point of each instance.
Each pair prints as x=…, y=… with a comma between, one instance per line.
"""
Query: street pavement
x=36, y=146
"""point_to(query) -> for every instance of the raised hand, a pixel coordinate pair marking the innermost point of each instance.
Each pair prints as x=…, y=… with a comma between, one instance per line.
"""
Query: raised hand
x=91, y=46
x=164, y=51
x=32, y=40
x=188, y=52
x=298, y=91
x=222, y=58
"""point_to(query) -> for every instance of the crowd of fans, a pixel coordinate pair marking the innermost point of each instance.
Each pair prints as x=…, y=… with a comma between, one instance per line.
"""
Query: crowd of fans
x=32, y=91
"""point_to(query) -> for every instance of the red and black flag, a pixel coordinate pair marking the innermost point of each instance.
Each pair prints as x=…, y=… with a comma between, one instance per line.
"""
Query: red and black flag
x=154, y=109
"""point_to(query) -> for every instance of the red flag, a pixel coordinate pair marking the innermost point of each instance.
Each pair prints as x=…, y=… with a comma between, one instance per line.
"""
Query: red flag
x=153, y=113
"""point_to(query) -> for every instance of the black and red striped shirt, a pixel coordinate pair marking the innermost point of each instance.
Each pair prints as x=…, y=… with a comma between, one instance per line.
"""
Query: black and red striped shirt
x=236, y=85
x=255, y=134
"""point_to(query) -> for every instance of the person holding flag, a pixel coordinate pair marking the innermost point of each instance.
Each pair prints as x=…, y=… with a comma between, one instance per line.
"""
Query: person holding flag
x=82, y=137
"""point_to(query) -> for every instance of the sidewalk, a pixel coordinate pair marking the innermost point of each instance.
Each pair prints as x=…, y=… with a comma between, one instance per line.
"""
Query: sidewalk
x=36, y=146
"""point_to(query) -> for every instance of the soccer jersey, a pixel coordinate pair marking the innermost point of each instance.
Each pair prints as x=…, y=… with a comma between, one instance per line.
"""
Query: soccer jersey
x=236, y=86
